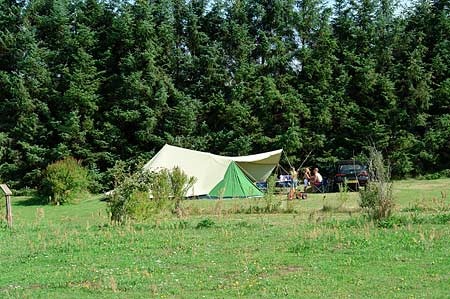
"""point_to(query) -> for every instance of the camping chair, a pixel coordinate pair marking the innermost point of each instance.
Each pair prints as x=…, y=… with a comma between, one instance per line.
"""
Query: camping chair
x=322, y=188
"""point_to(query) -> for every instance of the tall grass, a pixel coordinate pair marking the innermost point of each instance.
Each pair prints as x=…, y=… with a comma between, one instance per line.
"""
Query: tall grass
x=272, y=202
x=377, y=199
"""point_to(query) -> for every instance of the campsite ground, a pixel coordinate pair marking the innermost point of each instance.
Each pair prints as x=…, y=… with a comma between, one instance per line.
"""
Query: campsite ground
x=320, y=247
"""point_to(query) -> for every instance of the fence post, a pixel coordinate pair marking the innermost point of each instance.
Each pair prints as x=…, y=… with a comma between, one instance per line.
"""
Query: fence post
x=8, y=194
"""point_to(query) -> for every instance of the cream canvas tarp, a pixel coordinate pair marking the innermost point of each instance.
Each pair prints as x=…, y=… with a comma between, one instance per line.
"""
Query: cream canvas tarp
x=209, y=169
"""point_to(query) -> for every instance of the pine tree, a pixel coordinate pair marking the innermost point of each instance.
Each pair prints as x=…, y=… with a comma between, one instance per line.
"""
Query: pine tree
x=25, y=82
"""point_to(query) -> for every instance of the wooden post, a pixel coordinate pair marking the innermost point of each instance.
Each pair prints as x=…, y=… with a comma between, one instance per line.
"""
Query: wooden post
x=8, y=194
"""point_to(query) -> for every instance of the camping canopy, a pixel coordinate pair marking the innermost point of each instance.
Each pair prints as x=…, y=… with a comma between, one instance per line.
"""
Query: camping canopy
x=217, y=176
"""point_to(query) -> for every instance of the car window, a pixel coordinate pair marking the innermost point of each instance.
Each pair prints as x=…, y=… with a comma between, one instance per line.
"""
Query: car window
x=347, y=169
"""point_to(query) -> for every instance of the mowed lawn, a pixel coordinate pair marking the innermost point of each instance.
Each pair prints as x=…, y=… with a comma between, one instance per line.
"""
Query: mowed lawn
x=321, y=247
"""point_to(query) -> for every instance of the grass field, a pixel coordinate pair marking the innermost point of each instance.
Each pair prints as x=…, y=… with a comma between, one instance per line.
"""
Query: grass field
x=322, y=247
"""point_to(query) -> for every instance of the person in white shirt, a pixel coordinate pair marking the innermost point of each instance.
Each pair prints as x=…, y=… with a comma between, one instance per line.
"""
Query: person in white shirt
x=316, y=178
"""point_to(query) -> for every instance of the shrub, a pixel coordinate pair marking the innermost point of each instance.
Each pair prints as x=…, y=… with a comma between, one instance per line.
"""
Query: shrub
x=377, y=198
x=161, y=189
x=143, y=194
x=180, y=184
x=139, y=206
x=64, y=180
x=437, y=175
x=130, y=198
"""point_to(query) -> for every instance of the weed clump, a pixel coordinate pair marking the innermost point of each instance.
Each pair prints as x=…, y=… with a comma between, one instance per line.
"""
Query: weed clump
x=404, y=220
x=376, y=199
x=272, y=202
x=205, y=223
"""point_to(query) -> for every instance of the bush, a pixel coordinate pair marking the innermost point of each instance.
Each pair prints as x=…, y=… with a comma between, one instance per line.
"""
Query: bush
x=180, y=184
x=437, y=175
x=161, y=189
x=377, y=198
x=64, y=180
x=141, y=195
x=130, y=197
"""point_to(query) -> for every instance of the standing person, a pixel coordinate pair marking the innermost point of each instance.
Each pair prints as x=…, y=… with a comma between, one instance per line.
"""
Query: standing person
x=294, y=182
x=306, y=177
x=294, y=177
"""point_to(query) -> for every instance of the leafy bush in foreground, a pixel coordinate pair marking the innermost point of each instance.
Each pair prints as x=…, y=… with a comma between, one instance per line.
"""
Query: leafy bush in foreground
x=180, y=184
x=130, y=197
x=377, y=198
x=141, y=195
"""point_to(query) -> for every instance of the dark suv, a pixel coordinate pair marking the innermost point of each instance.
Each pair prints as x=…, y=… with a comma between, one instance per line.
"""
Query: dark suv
x=351, y=172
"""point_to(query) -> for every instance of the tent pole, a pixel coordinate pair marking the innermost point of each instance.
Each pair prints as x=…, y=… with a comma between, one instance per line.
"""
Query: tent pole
x=284, y=169
x=287, y=159
x=304, y=160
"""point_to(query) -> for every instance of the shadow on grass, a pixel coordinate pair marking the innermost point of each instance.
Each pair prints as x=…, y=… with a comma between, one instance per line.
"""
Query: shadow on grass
x=31, y=201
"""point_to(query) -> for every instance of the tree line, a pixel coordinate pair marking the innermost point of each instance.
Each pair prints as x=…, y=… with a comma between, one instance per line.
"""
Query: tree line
x=113, y=80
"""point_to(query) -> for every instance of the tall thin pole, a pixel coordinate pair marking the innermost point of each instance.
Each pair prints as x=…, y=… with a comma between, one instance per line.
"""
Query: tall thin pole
x=8, y=211
x=8, y=194
x=304, y=160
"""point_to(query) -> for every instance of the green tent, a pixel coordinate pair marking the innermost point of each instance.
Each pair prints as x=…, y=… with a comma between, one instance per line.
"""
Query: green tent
x=235, y=184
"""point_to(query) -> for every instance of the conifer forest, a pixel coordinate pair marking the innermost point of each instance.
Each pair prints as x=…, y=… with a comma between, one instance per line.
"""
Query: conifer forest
x=112, y=80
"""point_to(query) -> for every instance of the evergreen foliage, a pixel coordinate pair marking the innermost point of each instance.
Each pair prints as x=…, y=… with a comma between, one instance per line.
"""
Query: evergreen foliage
x=108, y=81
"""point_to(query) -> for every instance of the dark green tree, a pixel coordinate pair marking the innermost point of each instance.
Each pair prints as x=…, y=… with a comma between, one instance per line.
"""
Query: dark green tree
x=25, y=82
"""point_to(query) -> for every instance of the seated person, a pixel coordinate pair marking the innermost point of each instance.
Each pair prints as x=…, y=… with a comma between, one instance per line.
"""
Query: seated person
x=284, y=181
x=316, y=178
